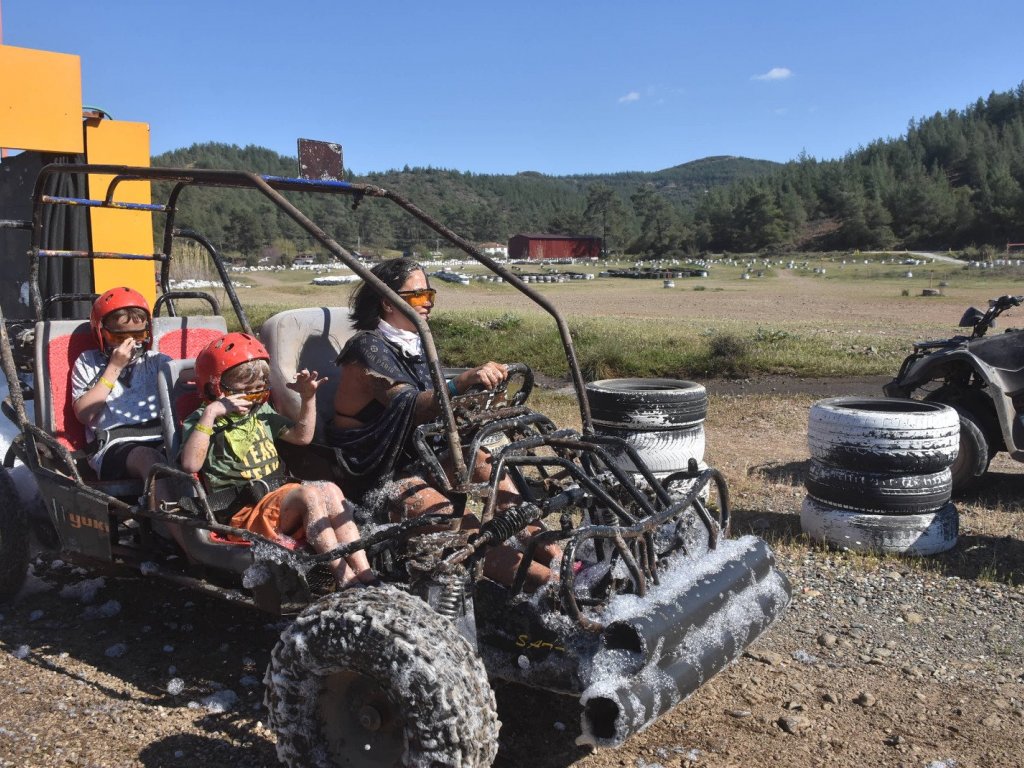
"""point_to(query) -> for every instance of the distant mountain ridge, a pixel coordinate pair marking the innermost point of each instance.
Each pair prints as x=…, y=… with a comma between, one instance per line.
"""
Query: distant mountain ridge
x=481, y=206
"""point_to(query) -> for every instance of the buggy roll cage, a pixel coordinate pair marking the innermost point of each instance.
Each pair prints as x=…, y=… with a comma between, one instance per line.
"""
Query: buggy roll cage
x=271, y=187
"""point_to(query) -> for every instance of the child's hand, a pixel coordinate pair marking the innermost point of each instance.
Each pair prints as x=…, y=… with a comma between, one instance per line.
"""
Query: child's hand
x=306, y=383
x=229, y=404
x=121, y=355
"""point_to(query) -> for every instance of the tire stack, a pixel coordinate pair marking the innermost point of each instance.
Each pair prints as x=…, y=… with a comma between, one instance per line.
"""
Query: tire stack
x=662, y=419
x=879, y=479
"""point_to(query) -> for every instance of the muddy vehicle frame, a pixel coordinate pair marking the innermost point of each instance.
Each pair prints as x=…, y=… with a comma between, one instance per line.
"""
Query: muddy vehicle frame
x=662, y=601
x=979, y=374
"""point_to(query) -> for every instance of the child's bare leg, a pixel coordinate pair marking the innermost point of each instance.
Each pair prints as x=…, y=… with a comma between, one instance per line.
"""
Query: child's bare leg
x=138, y=463
x=339, y=513
x=306, y=505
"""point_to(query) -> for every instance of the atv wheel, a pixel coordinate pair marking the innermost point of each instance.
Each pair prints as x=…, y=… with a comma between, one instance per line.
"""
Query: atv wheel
x=14, y=538
x=373, y=678
x=971, y=462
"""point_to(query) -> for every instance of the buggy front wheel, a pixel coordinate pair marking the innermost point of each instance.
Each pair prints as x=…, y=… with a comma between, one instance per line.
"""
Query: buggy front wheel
x=375, y=677
x=14, y=538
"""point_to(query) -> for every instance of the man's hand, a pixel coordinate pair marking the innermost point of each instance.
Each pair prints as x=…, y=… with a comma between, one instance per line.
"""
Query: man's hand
x=306, y=383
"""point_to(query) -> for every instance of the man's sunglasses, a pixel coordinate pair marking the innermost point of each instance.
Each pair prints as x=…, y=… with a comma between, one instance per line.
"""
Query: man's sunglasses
x=418, y=298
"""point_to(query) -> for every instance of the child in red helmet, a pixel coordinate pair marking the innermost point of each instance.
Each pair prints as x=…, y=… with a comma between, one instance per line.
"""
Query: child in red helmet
x=114, y=387
x=230, y=442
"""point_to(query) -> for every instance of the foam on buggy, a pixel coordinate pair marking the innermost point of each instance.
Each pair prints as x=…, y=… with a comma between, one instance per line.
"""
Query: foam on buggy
x=309, y=338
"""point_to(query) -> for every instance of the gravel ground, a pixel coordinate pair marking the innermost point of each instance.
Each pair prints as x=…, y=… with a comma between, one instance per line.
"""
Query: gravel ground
x=888, y=662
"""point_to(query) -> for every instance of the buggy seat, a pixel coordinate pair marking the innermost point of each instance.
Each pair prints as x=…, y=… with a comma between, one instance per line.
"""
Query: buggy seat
x=58, y=343
x=308, y=338
x=179, y=396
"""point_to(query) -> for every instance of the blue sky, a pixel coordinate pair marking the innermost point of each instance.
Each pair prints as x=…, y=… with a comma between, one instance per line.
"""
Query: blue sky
x=556, y=87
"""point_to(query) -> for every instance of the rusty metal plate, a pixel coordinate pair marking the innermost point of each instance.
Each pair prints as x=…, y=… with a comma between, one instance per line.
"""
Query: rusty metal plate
x=320, y=160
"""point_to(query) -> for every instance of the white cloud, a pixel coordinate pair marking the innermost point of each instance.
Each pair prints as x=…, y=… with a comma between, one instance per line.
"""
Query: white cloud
x=775, y=73
x=631, y=96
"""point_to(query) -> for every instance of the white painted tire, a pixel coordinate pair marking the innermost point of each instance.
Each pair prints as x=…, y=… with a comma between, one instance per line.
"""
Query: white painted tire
x=663, y=451
x=925, y=534
x=883, y=434
x=649, y=404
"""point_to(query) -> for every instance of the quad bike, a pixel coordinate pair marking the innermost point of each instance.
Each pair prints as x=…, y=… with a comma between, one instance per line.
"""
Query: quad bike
x=982, y=377
x=652, y=596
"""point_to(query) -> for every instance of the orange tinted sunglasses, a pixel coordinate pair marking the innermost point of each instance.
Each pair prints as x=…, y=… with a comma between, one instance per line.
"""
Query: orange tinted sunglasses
x=418, y=298
x=119, y=336
x=258, y=396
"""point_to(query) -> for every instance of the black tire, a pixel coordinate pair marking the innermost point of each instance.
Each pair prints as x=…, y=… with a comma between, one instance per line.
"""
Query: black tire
x=878, y=492
x=972, y=459
x=883, y=434
x=374, y=677
x=925, y=534
x=656, y=404
x=14, y=538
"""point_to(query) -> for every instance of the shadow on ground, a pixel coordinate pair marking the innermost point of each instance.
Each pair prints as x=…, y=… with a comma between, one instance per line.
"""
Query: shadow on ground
x=976, y=555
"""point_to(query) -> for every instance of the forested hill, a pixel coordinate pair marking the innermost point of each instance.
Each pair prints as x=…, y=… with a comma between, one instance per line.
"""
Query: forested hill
x=482, y=207
x=954, y=180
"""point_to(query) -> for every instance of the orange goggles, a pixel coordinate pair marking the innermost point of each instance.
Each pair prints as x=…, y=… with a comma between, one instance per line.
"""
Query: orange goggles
x=118, y=337
x=259, y=396
x=419, y=298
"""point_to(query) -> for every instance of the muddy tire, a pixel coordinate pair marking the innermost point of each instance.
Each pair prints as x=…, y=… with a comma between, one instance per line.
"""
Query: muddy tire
x=375, y=677
x=647, y=404
x=924, y=534
x=883, y=434
x=14, y=538
x=883, y=493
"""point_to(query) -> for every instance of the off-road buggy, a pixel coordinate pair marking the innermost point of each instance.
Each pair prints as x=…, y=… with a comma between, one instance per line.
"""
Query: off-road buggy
x=652, y=596
x=982, y=377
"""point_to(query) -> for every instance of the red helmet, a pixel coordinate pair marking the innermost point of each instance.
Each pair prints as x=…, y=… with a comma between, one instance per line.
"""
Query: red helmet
x=111, y=301
x=223, y=354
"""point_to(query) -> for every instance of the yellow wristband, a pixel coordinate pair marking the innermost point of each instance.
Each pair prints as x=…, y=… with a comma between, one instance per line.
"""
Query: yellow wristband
x=204, y=429
x=106, y=382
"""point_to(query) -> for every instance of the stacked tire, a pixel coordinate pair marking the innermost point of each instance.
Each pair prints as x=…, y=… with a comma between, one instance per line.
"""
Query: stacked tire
x=879, y=479
x=662, y=419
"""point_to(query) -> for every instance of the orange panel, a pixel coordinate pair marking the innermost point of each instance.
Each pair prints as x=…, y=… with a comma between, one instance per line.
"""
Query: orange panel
x=113, y=142
x=40, y=100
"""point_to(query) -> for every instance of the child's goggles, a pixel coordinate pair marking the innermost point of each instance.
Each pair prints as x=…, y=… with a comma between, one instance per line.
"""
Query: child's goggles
x=257, y=397
x=419, y=298
x=118, y=337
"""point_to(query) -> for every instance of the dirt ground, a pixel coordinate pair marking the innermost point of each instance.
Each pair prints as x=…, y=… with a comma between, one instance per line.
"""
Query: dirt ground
x=877, y=662
x=888, y=662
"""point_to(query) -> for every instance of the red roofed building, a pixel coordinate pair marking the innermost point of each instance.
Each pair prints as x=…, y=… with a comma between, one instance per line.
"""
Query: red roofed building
x=539, y=247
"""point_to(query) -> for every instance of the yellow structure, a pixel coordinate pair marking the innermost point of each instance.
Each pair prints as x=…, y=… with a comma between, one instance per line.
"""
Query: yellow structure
x=41, y=101
x=41, y=110
x=120, y=143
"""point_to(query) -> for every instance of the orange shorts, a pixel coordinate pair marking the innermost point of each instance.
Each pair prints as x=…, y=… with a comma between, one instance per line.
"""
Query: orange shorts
x=263, y=517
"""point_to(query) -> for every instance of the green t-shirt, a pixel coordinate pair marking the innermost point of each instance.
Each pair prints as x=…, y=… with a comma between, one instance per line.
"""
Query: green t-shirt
x=243, y=451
